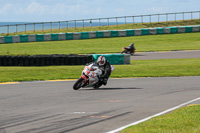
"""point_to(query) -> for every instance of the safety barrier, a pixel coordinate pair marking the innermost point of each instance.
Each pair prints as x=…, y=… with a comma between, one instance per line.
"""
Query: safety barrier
x=45, y=60
x=98, y=34
x=114, y=59
x=61, y=59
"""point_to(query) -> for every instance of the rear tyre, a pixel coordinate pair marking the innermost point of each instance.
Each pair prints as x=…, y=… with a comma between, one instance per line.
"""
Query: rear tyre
x=98, y=85
x=78, y=84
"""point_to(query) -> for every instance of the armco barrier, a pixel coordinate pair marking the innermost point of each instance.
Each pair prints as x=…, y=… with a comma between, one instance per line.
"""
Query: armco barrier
x=129, y=32
x=99, y=34
x=54, y=37
x=45, y=60
x=23, y=38
x=69, y=36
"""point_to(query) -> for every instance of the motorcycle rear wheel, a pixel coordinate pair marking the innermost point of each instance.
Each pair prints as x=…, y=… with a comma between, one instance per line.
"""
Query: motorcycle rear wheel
x=78, y=84
x=98, y=85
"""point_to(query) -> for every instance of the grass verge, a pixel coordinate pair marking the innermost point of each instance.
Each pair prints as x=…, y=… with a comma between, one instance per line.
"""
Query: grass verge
x=138, y=68
x=183, y=120
x=166, y=42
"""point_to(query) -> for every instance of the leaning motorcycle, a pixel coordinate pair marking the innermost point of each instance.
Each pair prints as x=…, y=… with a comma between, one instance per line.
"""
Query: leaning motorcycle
x=127, y=50
x=90, y=77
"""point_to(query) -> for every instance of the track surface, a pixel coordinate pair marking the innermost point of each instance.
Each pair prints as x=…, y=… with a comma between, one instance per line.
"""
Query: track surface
x=166, y=55
x=54, y=107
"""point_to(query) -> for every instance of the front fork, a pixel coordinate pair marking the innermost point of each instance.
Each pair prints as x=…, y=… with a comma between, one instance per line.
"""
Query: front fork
x=85, y=79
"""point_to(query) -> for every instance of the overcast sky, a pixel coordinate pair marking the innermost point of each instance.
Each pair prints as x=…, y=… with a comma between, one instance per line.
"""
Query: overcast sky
x=59, y=10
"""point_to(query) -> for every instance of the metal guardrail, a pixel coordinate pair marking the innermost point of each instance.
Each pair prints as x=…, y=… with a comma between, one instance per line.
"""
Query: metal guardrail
x=97, y=22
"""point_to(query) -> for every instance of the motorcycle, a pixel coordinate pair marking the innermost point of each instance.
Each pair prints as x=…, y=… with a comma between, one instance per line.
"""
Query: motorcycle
x=127, y=50
x=90, y=77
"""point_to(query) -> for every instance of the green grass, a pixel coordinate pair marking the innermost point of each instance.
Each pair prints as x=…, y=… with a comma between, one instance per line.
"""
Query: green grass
x=166, y=42
x=183, y=120
x=138, y=68
x=114, y=27
x=159, y=68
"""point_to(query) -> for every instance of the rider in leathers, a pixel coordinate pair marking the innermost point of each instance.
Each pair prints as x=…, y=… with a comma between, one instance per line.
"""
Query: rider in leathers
x=105, y=66
x=131, y=48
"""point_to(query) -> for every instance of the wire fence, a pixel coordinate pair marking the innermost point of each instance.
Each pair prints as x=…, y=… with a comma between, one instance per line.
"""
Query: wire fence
x=96, y=22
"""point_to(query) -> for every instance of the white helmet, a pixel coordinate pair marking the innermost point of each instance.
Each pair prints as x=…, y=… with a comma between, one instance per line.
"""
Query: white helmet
x=101, y=60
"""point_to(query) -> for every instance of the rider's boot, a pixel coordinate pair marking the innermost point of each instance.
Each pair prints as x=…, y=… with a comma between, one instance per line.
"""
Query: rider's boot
x=105, y=81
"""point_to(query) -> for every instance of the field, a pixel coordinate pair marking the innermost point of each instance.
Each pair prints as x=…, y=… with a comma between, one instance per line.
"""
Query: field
x=139, y=68
x=167, y=42
x=186, y=41
x=184, y=120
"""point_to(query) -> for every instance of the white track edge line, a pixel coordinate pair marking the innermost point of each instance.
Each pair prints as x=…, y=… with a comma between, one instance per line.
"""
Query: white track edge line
x=161, y=113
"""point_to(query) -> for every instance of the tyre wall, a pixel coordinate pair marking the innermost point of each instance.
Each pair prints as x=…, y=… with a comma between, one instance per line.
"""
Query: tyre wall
x=99, y=34
x=45, y=60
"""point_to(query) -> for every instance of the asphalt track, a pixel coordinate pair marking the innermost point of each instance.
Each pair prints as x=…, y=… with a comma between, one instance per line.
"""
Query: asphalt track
x=166, y=55
x=54, y=107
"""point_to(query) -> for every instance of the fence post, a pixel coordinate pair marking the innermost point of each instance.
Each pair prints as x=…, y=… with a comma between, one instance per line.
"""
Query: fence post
x=51, y=26
x=191, y=15
x=167, y=17
x=16, y=28
x=25, y=28
x=183, y=16
x=199, y=14
x=116, y=21
x=75, y=24
x=108, y=22
x=66, y=24
x=90, y=23
x=175, y=17
x=141, y=19
x=133, y=19
x=42, y=26
x=7, y=29
x=158, y=17
x=83, y=24
x=99, y=22
x=33, y=27
x=125, y=19
x=150, y=18
x=59, y=25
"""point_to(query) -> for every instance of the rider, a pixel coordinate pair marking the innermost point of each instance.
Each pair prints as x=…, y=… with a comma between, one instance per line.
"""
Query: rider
x=105, y=66
x=131, y=48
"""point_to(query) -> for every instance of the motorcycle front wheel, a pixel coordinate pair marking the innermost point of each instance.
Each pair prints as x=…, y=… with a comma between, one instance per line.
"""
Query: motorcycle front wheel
x=78, y=84
x=125, y=51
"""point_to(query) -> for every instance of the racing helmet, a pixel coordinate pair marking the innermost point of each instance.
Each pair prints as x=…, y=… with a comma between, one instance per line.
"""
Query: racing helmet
x=131, y=45
x=101, y=60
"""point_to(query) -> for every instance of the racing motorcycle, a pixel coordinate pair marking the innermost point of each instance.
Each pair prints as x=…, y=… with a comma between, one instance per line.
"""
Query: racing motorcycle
x=127, y=50
x=90, y=77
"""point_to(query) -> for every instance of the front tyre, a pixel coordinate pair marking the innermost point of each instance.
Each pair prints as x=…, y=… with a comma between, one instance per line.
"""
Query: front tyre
x=78, y=84
x=123, y=52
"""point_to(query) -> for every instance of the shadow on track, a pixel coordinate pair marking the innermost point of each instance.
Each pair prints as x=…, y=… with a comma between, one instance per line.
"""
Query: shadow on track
x=129, y=88
x=138, y=55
